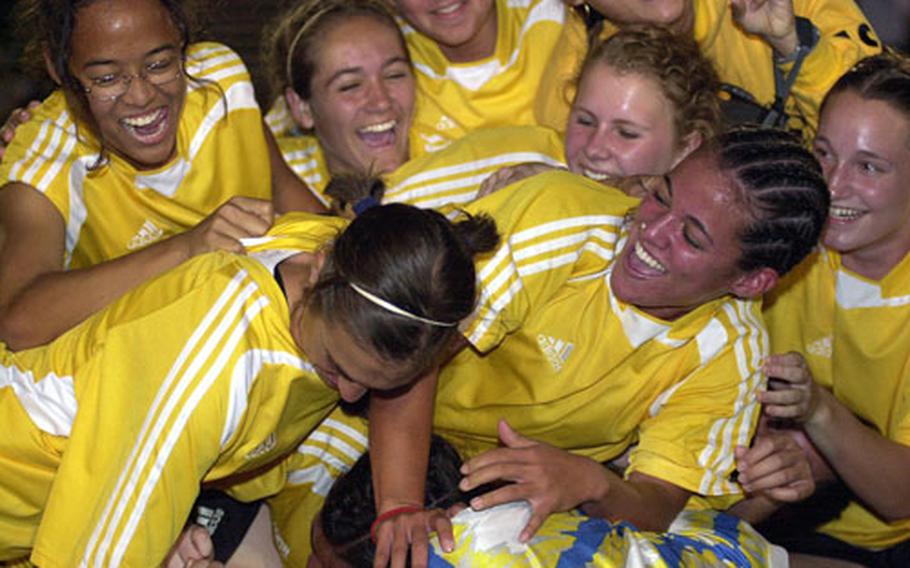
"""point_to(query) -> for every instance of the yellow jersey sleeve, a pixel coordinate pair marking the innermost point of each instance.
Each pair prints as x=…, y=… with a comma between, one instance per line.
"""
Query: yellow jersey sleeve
x=108, y=206
x=304, y=156
x=511, y=87
x=209, y=401
x=326, y=454
x=553, y=227
x=452, y=176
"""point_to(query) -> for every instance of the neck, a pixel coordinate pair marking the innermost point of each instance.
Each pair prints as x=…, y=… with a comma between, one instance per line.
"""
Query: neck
x=873, y=266
x=479, y=47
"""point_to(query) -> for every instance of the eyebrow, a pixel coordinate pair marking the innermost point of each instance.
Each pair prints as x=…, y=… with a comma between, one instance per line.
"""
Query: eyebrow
x=104, y=62
x=694, y=220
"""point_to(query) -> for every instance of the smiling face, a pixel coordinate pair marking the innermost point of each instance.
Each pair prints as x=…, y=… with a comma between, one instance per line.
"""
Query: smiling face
x=341, y=361
x=116, y=37
x=863, y=146
x=675, y=14
x=362, y=97
x=621, y=125
x=683, y=246
x=465, y=30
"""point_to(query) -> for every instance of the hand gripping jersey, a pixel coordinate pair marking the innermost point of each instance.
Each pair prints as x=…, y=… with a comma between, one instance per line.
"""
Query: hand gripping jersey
x=111, y=209
x=192, y=377
x=539, y=48
x=566, y=540
x=746, y=61
x=450, y=177
x=565, y=361
x=854, y=335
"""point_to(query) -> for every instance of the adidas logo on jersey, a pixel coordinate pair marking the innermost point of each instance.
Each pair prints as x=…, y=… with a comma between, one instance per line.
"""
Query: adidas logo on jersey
x=433, y=142
x=557, y=351
x=148, y=233
x=445, y=123
x=822, y=347
x=264, y=447
x=209, y=518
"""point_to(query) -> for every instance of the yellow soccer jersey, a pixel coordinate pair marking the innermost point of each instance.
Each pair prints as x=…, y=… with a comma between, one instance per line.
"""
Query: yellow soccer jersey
x=564, y=361
x=326, y=454
x=304, y=156
x=192, y=376
x=453, y=175
x=114, y=209
x=449, y=177
x=567, y=540
x=746, y=61
x=842, y=323
x=538, y=50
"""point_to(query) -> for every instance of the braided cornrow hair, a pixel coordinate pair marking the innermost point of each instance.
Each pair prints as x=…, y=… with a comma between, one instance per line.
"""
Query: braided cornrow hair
x=784, y=191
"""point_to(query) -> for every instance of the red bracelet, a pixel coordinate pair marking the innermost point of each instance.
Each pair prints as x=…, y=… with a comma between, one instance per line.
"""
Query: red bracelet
x=388, y=515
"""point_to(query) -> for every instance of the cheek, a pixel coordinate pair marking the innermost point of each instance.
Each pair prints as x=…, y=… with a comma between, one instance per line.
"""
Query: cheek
x=576, y=139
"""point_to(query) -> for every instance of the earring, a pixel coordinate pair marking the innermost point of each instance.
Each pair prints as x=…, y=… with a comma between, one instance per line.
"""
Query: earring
x=642, y=226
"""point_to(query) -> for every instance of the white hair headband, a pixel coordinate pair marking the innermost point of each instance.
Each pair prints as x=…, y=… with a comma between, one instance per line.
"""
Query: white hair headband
x=386, y=305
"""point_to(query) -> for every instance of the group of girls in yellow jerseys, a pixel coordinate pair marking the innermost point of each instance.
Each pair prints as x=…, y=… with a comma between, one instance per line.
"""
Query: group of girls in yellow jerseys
x=608, y=329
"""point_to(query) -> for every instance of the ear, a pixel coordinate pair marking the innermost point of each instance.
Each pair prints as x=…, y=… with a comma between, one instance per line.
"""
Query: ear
x=755, y=283
x=300, y=109
x=51, y=69
x=318, y=262
x=688, y=145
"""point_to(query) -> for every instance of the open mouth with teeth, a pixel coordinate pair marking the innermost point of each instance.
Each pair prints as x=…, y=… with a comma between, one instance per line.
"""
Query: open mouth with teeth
x=448, y=9
x=596, y=175
x=379, y=135
x=844, y=214
x=645, y=258
x=148, y=128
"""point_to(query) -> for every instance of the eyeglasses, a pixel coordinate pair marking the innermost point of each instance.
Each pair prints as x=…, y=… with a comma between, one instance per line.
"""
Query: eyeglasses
x=112, y=86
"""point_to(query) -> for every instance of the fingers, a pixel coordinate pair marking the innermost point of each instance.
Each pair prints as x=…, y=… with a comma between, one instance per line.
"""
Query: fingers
x=790, y=367
x=534, y=523
x=442, y=525
x=505, y=494
x=511, y=438
x=488, y=467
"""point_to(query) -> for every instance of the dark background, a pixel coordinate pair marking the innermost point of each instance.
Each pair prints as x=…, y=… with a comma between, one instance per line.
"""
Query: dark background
x=239, y=23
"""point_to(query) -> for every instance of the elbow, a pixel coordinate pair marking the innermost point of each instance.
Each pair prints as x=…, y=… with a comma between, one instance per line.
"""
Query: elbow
x=18, y=331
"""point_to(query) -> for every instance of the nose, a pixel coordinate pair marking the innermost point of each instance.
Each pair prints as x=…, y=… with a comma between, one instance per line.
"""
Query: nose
x=350, y=391
x=838, y=180
x=656, y=230
x=138, y=92
x=599, y=146
x=379, y=98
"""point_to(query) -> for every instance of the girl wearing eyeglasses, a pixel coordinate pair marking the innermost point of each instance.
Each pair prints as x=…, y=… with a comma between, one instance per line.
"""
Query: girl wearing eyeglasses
x=151, y=151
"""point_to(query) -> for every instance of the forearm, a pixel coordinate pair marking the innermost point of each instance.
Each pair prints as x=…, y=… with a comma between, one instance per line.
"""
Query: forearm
x=54, y=302
x=872, y=466
x=754, y=509
x=647, y=502
x=400, y=428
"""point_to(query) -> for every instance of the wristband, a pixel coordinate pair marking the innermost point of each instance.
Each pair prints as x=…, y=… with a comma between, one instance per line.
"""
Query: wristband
x=388, y=515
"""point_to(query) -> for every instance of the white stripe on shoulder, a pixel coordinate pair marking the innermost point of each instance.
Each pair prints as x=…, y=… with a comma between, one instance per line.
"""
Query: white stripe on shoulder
x=224, y=347
x=239, y=96
x=50, y=400
x=78, y=211
x=247, y=369
x=337, y=444
x=318, y=475
x=205, y=326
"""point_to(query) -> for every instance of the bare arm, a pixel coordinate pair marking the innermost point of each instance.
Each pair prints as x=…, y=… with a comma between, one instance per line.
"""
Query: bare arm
x=289, y=193
x=555, y=480
x=39, y=299
x=872, y=466
x=400, y=426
